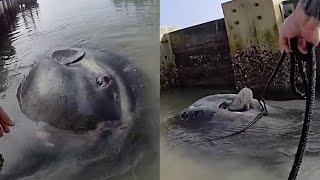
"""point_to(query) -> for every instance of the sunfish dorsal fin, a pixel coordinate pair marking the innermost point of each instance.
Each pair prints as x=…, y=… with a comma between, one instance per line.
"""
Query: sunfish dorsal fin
x=68, y=56
x=243, y=100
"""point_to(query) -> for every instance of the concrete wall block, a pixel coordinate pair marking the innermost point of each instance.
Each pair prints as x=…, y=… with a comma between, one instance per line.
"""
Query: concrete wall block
x=168, y=76
x=252, y=22
x=202, y=56
x=167, y=29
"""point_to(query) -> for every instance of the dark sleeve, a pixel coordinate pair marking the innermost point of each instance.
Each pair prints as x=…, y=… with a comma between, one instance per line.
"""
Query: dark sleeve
x=311, y=7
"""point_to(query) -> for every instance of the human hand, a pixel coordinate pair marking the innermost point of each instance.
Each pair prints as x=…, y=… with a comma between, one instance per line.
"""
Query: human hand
x=299, y=25
x=5, y=122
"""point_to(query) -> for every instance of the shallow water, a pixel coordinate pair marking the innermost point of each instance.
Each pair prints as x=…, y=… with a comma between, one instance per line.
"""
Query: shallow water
x=184, y=161
x=126, y=27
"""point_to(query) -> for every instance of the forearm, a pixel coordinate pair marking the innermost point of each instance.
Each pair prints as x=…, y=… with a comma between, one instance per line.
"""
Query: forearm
x=306, y=14
x=311, y=8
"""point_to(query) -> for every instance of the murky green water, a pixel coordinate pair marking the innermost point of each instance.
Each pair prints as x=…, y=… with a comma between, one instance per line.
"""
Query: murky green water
x=181, y=163
x=126, y=27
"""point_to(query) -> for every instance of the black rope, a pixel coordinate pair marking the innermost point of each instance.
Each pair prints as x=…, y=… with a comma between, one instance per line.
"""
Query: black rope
x=283, y=56
x=310, y=87
x=310, y=59
x=293, y=77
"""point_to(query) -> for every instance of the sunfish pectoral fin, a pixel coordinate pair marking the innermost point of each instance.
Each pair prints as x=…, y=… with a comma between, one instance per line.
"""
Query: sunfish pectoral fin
x=68, y=56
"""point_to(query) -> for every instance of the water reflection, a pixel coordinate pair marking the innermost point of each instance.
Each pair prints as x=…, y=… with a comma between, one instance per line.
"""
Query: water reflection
x=135, y=3
x=7, y=52
x=8, y=21
x=29, y=14
x=12, y=29
x=140, y=7
x=128, y=28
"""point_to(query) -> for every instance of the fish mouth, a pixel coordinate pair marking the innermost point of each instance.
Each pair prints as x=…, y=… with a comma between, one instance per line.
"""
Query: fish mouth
x=19, y=91
x=104, y=127
x=80, y=123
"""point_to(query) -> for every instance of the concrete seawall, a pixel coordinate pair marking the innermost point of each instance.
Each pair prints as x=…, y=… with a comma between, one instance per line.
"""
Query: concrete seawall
x=240, y=50
x=200, y=57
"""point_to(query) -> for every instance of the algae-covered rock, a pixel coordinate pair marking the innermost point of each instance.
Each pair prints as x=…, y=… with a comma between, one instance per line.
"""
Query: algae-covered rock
x=253, y=67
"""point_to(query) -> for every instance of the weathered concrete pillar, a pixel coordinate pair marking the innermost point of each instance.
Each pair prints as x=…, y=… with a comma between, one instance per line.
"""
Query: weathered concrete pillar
x=167, y=64
x=253, y=33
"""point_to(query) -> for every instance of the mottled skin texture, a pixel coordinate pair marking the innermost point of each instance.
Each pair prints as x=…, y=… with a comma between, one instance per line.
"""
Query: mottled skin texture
x=217, y=106
x=271, y=141
x=94, y=112
x=71, y=98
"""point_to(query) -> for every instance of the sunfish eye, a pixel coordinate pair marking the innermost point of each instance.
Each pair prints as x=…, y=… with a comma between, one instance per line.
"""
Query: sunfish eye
x=103, y=80
x=184, y=115
x=116, y=96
